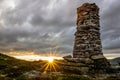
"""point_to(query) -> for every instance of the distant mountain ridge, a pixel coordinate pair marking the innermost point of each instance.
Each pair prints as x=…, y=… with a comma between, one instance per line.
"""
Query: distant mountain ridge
x=115, y=61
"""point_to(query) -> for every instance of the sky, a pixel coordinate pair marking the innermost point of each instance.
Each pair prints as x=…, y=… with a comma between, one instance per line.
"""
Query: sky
x=36, y=26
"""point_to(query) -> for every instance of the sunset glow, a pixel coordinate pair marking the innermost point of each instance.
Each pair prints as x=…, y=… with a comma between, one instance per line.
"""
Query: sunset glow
x=37, y=57
x=51, y=65
x=50, y=59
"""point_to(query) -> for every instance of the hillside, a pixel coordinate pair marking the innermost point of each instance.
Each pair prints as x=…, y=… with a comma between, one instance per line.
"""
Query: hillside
x=13, y=68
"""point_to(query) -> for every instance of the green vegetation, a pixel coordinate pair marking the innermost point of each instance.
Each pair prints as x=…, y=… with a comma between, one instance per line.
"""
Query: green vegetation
x=14, y=69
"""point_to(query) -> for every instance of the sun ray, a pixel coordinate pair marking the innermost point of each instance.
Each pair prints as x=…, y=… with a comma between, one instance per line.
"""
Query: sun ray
x=46, y=68
x=45, y=65
x=54, y=68
x=52, y=64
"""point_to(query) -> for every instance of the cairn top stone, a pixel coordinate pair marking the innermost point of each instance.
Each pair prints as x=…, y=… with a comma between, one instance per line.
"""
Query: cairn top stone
x=87, y=8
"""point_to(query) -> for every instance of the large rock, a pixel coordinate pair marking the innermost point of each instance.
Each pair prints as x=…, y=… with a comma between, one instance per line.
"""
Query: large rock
x=79, y=60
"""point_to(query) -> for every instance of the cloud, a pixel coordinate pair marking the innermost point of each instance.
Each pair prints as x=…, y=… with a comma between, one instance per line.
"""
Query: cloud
x=38, y=25
x=110, y=26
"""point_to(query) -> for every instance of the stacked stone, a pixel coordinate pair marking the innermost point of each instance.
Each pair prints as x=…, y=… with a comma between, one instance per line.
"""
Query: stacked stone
x=87, y=47
x=87, y=37
x=77, y=65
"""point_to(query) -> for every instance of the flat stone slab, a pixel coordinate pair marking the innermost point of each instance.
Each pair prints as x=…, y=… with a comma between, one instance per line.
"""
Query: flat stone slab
x=97, y=57
x=79, y=60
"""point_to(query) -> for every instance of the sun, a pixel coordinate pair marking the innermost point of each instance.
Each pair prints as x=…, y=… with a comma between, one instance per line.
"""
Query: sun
x=52, y=64
x=50, y=59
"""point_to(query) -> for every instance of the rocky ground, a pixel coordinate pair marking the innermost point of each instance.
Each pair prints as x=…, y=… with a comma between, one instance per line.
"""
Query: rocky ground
x=14, y=69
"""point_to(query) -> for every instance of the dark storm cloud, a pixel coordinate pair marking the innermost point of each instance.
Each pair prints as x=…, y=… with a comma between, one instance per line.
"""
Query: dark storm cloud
x=39, y=25
x=111, y=26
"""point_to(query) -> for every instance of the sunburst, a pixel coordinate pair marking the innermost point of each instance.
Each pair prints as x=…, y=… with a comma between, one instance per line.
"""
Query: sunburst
x=51, y=64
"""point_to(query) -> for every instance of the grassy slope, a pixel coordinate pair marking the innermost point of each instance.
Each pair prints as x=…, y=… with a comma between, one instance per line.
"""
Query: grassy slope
x=12, y=68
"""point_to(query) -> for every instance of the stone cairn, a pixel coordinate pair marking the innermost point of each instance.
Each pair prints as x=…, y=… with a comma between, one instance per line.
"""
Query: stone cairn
x=87, y=54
